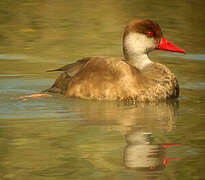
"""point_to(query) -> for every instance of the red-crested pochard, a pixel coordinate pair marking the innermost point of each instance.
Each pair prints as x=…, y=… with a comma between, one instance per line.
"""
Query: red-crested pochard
x=134, y=77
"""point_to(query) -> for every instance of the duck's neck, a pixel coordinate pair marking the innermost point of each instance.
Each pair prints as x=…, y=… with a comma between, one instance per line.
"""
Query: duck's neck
x=137, y=60
x=135, y=52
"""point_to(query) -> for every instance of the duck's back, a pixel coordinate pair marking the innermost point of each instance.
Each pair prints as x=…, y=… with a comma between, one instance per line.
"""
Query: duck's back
x=105, y=78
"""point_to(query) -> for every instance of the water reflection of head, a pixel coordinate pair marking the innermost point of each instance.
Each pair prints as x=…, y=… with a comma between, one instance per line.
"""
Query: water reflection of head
x=141, y=155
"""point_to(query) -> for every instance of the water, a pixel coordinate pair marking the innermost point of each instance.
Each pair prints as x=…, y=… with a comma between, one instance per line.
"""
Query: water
x=55, y=138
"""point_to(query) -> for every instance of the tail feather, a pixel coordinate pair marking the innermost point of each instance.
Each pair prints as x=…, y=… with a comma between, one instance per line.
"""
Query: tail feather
x=60, y=85
x=54, y=70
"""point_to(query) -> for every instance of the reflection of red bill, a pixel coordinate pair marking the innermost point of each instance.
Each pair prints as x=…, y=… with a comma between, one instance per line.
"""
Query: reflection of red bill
x=25, y=98
x=167, y=160
x=171, y=145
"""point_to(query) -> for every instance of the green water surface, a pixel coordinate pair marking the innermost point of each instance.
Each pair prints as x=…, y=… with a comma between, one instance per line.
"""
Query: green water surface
x=57, y=138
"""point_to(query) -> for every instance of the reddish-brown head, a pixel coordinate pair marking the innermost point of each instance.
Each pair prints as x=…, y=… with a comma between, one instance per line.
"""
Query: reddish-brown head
x=152, y=36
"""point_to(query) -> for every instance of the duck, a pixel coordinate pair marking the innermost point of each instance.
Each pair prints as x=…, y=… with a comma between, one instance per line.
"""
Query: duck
x=132, y=78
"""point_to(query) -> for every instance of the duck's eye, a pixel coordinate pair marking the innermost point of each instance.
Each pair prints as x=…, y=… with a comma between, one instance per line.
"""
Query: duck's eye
x=150, y=34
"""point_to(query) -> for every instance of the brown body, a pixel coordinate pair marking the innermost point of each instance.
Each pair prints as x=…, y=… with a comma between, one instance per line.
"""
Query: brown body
x=106, y=78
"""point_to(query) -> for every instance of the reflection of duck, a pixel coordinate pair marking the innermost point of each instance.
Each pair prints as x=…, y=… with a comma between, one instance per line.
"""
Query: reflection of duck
x=136, y=121
x=155, y=117
x=134, y=78
x=142, y=155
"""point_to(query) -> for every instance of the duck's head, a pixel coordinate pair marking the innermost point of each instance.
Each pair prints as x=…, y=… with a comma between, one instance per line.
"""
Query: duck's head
x=143, y=36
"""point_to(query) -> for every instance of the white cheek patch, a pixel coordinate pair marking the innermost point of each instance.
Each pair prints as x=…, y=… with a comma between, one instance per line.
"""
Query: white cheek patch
x=138, y=42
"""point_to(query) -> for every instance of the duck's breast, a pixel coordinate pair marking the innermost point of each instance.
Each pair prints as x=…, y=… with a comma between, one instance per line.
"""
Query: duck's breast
x=162, y=82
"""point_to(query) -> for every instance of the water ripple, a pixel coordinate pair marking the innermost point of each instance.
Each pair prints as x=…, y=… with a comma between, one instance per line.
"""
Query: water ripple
x=7, y=57
x=200, y=57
